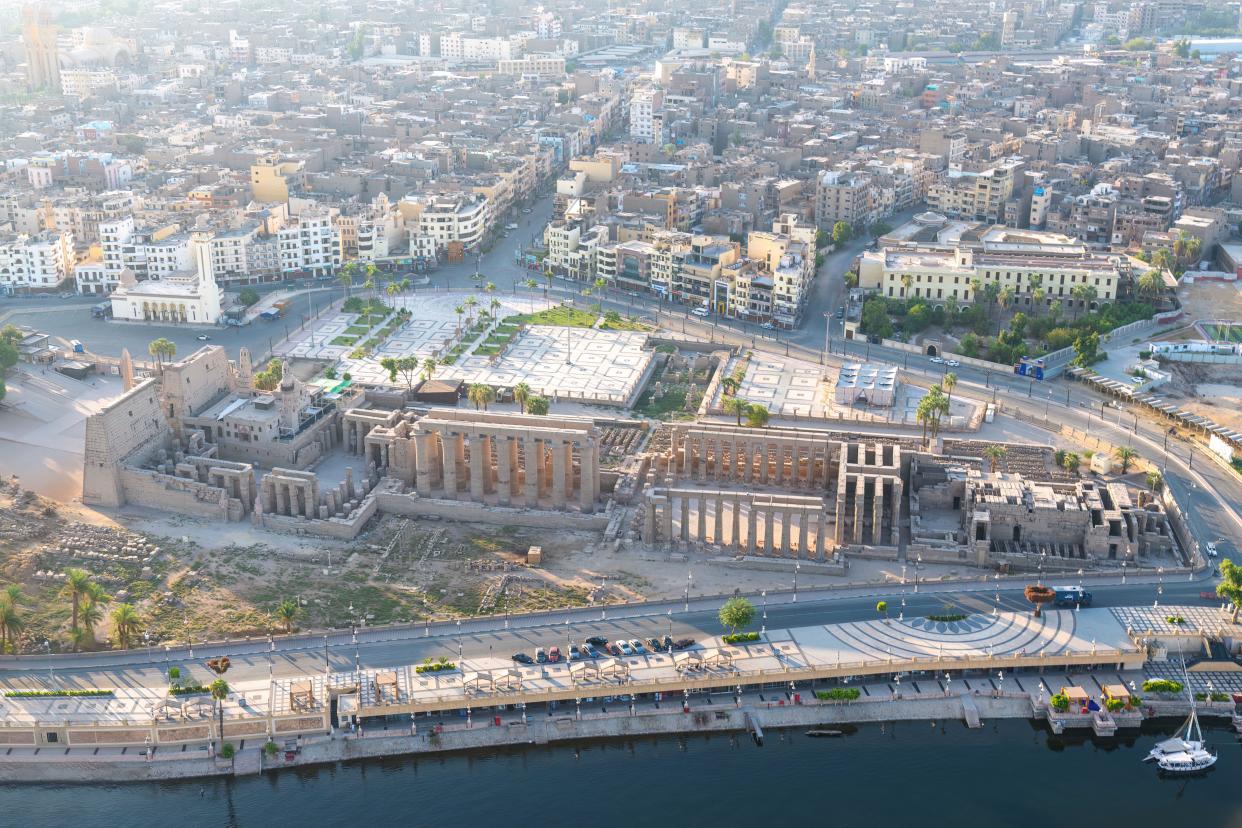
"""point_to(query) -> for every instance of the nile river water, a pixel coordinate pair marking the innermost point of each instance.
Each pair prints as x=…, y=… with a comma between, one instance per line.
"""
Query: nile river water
x=1010, y=774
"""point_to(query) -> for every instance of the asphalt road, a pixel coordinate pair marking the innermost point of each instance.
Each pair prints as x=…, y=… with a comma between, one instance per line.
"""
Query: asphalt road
x=501, y=637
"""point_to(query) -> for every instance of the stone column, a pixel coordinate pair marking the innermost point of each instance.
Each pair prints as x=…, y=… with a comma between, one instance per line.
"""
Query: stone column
x=752, y=526
x=735, y=522
x=701, y=460
x=877, y=513
x=821, y=536
x=559, y=451
x=763, y=462
x=504, y=459
x=282, y=498
x=701, y=503
x=587, y=476
x=787, y=531
x=860, y=502
x=769, y=529
x=450, y=464
x=530, y=485
x=684, y=505
x=895, y=535
x=839, y=529
x=718, y=538
x=649, y=522
x=778, y=472
x=477, y=468
x=668, y=517
x=804, y=534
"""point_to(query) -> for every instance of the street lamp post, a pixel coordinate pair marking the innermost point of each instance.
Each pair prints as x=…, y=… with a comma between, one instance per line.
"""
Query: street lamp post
x=797, y=567
x=51, y=672
x=689, y=583
x=764, y=627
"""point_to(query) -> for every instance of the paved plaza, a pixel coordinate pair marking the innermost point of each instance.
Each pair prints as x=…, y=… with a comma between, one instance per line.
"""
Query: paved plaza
x=560, y=363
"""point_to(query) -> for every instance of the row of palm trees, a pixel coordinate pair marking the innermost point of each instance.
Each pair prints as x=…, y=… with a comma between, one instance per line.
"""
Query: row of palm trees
x=935, y=405
x=1070, y=461
x=481, y=395
x=87, y=601
x=757, y=416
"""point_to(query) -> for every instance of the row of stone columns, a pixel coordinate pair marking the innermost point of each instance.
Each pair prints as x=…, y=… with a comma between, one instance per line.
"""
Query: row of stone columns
x=730, y=458
x=853, y=533
x=547, y=470
x=810, y=520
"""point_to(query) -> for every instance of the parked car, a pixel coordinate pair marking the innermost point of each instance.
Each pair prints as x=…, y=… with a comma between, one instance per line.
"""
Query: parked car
x=624, y=647
x=613, y=649
x=655, y=645
x=554, y=654
x=637, y=647
x=598, y=641
x=1209, y=596
x=841, y=312
x=541, y=655
x=683, y=643
x=203, y=338
x=574, y=652
x=589, y=651
x=523, y=658
x=768, y=326
x=668, y=642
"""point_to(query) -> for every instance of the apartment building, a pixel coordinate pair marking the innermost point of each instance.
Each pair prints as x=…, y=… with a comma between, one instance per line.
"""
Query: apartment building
x=448, y=218
x=946, y=272
x=646, y=115
x=843, y=196
x=975, y=195
x=151, y=253
x=35, y=262
x=272, y=178
x=310, y=243
x=533, y=66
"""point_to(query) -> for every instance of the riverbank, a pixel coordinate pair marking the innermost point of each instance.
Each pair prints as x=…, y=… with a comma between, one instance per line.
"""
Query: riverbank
x=723, y=715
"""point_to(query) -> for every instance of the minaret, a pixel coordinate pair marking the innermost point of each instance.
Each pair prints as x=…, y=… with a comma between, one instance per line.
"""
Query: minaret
x=42, y=53
x=810, y=63
x=127, y=370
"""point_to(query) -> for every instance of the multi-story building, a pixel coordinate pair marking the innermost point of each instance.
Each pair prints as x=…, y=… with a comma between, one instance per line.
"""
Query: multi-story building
x=448, y=218
x=272, y=178
x=842, y=196
x=149, y=253
x=646, y=117
x=310, y=243
x=947, y=271
x=975, y=195
x=35, y=262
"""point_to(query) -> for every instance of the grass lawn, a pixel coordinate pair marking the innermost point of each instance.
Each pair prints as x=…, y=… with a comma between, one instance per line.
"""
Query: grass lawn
x=624, y=324
x=346, y=340
x=568, y=317
x=357, y=330
x=669, y=407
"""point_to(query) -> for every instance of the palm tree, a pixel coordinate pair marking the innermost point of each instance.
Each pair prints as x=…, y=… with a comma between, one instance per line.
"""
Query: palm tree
x=1230, y=587
x=92, y=610
x=219, y=692
x=531, y=284
x=10, y=616
x=481, y=395
x=1085, y=294
x=471, y=303
x=729, y=386
x=1070, y=461
x=995, y=454
x=1154, y=479
x=600, y=284
x=287, y=612
x=125, y=620
x=906, y=281
x=429, y=368
x=162, y=349
x=757, y=416
x=77, y=583
x=460, y=310
x=372, y=273
x=976, y=287
x=1037, y=298
x=489, y=288
x=949, y=381
x=393, y=289
x=1126, y=455
x=494, y=306
x=1150, y=284
x=346, y=276
x=521, y=393
x=736, y=406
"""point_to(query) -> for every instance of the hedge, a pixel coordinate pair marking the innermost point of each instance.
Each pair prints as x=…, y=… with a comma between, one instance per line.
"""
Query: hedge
x=1059, y=702
x=737, y=638
x=40, y=694
x=187, y=690
x=838, y=694
x=438, y=667
x=1162, y=686
x=947, y=618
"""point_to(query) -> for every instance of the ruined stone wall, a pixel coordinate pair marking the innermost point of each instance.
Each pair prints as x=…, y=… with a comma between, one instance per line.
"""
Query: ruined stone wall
x=178, y=494
x=196, y=381
x=130, y=423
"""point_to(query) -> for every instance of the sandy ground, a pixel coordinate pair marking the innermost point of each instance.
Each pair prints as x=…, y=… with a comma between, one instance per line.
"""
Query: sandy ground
x=1212, y=300
x=1213, y=391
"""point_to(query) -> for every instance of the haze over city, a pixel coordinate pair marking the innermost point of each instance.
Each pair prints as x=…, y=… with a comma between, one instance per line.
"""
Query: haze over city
x=505, y=400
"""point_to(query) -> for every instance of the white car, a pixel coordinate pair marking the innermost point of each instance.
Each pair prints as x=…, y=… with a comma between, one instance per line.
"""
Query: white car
x=937, y=360
x=700, y=311
x=952, y=363
x=768, y=326
x=203, y=338
x=1211, y=550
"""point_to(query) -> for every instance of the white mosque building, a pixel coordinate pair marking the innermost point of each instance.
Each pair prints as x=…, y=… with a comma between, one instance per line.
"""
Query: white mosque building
x=190, y=297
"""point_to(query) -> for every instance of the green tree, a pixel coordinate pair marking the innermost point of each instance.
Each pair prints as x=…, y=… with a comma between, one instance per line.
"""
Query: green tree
x=874, y=320
x=125, y=621
x=1154, y=480
x=948, y=382
x=521, y=395
x=1150, y=284
x=735, y=614
x=219, y=690
x=75, y=587
x=8, y=356
x=1230, y=587
x=481, y=395
x=757, y=416
x=994, y=455
x=882, y=608
x=346, y=276
x=735, y=406
x=841, y=233
x=1126, y=455
x=1087, y=349
x=1070, y=461
x=162, y=349
x=287, y=612
x=248, y=296
x=429, y=368
x=11, y=622
x=407, y=366
x=538, y=406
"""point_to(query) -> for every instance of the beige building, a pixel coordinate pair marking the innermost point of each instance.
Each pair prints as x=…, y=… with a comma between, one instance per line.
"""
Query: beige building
x=1022, y=260
x=271, y=177
x=975, y=195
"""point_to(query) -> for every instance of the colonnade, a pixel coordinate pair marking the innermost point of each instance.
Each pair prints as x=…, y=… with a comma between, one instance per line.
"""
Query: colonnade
x=780, y=457
x=683, y=514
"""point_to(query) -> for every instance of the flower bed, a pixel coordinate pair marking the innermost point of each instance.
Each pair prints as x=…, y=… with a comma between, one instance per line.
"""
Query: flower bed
x=738, y=638
x=430, y=666
x=838, y=694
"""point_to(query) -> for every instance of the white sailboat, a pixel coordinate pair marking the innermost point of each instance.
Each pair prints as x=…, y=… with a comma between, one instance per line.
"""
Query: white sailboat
x=1184, y=753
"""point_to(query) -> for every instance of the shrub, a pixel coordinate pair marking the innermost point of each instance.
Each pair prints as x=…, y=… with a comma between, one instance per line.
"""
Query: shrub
x=838, y=694
x=1113, y=705
x=737, y=638
x=227, y=751
x=1175, y=619
x=270, y=748
x=437, y=667
x=1162, y=686
x=1059, y=702
x=40, y=694
x=174, y=672
x=187, y=689
x=947, y=618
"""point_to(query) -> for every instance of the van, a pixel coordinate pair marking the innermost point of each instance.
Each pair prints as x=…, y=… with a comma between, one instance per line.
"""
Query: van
x=78, y=347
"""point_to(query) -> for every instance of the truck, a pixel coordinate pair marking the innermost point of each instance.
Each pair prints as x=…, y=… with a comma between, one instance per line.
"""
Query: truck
x=276, y=310
x=1072, y=596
